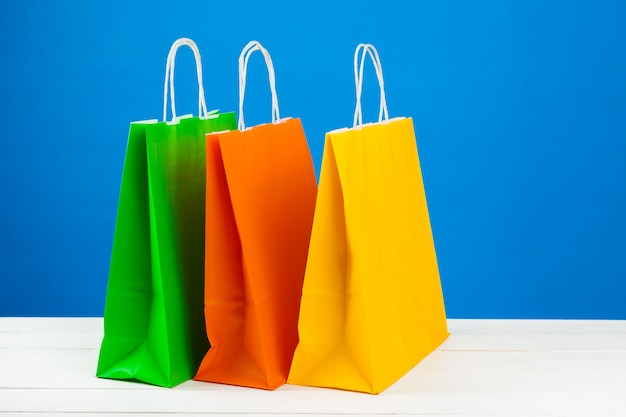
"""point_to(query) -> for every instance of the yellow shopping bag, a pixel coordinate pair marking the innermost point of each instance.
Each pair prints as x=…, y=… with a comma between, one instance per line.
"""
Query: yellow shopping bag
x=372, y=305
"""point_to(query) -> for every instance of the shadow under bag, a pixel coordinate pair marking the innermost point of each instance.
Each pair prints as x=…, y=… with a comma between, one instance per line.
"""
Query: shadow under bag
x=153, y=318
x=372, y=305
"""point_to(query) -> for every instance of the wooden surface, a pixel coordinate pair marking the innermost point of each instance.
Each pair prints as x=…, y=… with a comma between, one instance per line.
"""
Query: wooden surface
x=485, y=368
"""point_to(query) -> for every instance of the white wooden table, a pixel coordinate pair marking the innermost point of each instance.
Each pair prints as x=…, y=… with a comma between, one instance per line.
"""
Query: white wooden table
x=485, y=368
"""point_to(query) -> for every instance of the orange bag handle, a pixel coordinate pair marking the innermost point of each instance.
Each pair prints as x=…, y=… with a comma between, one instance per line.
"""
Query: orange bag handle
x=250, y=48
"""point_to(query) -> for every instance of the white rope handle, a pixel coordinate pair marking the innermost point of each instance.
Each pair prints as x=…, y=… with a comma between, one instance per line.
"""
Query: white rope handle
x=370, y=50
x=248, y=50
x=358, y=76
x=169, y=76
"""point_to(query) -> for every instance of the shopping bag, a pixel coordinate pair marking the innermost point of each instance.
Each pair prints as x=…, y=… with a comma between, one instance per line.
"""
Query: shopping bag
x=153, y=318
x=372, y=305
x=261, y=192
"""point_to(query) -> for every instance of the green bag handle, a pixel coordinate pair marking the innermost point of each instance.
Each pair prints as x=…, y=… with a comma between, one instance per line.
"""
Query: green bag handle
x=369, y=49
x=169, y=74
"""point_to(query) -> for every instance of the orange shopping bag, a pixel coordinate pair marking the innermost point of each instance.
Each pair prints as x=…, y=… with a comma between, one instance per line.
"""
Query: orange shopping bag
x=261, y=192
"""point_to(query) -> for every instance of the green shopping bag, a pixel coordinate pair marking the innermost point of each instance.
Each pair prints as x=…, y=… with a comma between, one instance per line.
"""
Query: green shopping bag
x=154, y=328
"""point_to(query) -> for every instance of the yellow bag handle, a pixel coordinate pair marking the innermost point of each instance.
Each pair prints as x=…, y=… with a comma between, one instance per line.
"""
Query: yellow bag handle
x=369, y=49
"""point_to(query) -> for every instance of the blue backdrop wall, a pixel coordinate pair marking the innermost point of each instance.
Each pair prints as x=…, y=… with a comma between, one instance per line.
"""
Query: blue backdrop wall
x=519, y=109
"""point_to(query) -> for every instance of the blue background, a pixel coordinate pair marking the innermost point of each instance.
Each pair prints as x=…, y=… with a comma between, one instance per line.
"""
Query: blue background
x=519, y=109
